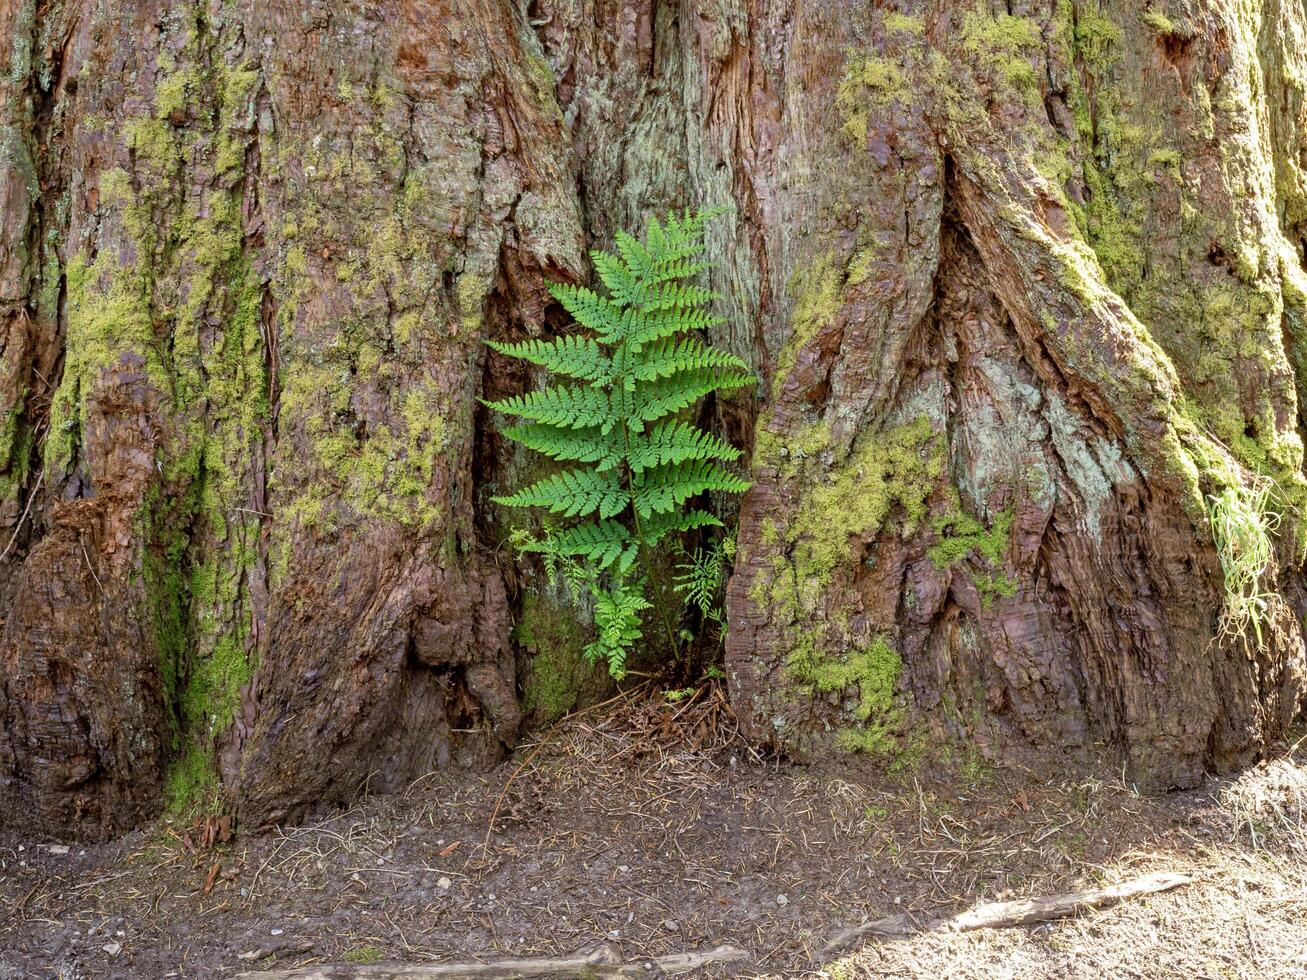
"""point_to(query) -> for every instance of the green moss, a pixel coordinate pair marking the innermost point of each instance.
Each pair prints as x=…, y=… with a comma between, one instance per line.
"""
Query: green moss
x=960, y=536
x=471, y=291
x=212, y=694
x=861, y=265
x=1159, y=23
x=108, y=314
x=898, y=468
x=191, y=783
x=869, y=82
x=870, y=673
x=15, y=451
x=382, y=470
x=817, y=293
x=994, y=585
x=1095, y=37
x=788, y=452
x=175, y=92
x=151, y=141
x=885, y=472
x=1005, y=44
x=365, y=955
x=173, y=286
x=540, y=77
x=556, y=642
x=1166, y=159
x=904, y=23
x=235, y=90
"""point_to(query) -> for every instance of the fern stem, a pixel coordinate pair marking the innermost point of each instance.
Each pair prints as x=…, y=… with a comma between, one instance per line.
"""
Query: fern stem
x=645, y=558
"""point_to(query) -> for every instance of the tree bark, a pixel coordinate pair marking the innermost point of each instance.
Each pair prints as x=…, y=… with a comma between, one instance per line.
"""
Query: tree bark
x=1024, y=284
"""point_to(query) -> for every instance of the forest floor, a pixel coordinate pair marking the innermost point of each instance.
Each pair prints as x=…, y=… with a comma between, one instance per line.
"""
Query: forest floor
x=654, y=828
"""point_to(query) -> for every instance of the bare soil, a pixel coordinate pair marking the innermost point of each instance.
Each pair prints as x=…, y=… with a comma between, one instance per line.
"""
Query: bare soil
x=654, y=827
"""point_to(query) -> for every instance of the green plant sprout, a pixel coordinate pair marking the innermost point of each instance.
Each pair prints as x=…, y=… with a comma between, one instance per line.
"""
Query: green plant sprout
x=618, y=414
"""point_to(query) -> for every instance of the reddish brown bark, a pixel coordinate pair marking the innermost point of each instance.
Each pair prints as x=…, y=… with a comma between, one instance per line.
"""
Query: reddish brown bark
x=249, y=253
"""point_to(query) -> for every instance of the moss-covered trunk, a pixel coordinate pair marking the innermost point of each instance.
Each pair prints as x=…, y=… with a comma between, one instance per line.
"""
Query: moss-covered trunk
x=1024, y=281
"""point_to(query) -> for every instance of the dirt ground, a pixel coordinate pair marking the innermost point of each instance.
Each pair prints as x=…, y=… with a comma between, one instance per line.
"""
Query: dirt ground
x=652, y=827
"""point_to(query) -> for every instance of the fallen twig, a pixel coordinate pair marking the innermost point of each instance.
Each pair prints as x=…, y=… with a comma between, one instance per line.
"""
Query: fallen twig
x=1022, y=912
x=287, y=948
x=22, y=517
x=604, y=962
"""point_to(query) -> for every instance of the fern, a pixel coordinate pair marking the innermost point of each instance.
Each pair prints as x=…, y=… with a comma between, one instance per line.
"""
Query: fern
x=639, y=362
x=702, y=576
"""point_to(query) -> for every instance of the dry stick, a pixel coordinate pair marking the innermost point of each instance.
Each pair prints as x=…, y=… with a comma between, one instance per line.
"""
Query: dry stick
x=1000, y=915
x=19, y=526
x=604, y=962
x=89, y=567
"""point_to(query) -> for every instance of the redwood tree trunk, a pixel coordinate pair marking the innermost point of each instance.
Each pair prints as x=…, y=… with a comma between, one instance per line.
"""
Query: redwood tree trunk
x=1024, y=283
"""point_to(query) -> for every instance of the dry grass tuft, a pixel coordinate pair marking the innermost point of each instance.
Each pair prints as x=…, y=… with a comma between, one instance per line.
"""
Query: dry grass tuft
x=1268, y=804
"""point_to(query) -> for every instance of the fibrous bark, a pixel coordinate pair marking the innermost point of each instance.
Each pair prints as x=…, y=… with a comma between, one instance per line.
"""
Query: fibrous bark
x=1024, y=283
x=275, y=235
x=1065, y=317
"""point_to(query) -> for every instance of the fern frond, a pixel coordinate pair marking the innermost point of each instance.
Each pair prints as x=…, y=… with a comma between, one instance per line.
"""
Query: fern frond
x=589, y=445
x=625, y=287
x=664, y=488
x=675, y=269
x=591, y=310
x=668, y=357
x=640, y=359
x=574, y=493
x=617, y=619
x=645, y=328
x=638, y=258
x=700, y=578
x=676, y=442
x=672, y=295
x=573, y=408
x=573, y=356
x=658, y=526
x=666, y=396
x=602, y=542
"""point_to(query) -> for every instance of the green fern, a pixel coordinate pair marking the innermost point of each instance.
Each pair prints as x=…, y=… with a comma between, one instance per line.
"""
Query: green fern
x=700, y=578
x=638, y=364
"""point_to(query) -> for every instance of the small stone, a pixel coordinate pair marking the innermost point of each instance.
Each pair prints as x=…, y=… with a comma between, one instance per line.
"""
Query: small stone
x=276, y=932
x=444, y=884
x=671, y=925
x=113, y=949
x=58, y=848
x=623, y=868
x=782, y=900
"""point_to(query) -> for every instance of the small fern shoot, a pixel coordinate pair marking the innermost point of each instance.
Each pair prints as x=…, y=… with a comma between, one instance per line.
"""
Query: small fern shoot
x=613, y=414
x=700, y=578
